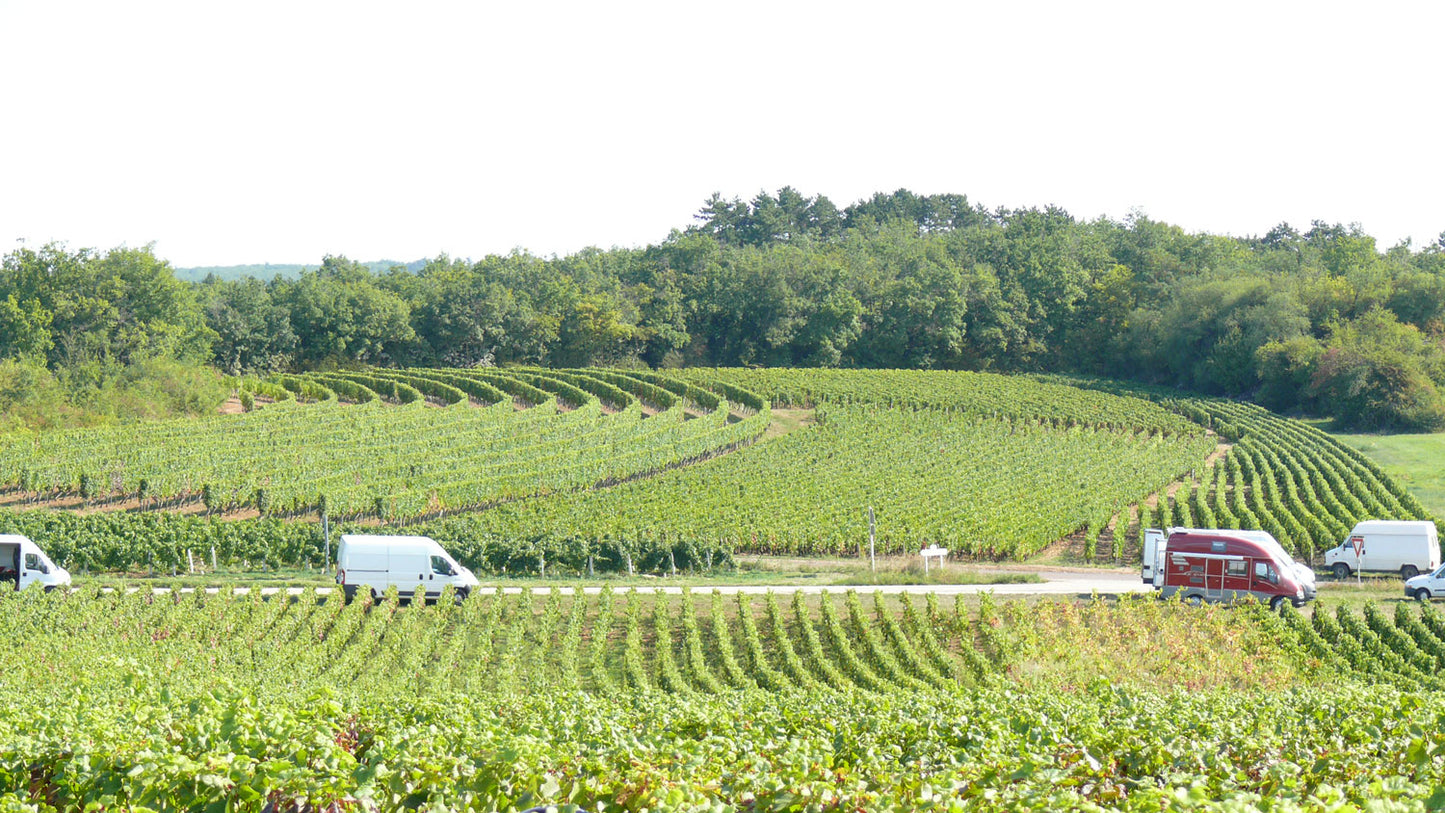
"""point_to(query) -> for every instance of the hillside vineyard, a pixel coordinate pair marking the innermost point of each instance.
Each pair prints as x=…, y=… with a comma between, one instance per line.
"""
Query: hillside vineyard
x=701, y=702
x=522, y=469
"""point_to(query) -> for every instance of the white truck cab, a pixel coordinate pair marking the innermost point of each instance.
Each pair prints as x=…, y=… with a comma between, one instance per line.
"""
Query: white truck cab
x=374, y=563
x=23, y=563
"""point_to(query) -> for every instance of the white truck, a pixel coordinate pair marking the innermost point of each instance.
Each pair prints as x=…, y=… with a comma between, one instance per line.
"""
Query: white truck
x=374, y=563
x=1387, y=546
x=23, y=563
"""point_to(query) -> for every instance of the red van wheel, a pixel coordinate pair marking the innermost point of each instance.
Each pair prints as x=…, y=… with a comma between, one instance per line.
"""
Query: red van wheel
x=1276, y=603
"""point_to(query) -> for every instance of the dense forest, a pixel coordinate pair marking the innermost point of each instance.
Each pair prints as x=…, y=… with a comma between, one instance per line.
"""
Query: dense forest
x=1320, y=321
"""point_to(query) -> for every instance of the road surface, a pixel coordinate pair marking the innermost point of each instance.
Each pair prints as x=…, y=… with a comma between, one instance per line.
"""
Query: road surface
x=1055, y=582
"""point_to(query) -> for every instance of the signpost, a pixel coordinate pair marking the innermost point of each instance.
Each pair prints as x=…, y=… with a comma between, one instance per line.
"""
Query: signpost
x=1358, y=543
x=935, y=552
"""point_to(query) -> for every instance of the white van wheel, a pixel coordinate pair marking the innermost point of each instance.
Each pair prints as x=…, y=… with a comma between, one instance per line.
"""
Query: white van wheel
x=1341, y=570
x=1409, y=572
x=1422, y=594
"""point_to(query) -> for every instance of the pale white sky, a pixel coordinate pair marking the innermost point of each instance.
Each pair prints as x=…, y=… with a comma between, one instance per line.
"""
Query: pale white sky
x=283, y=131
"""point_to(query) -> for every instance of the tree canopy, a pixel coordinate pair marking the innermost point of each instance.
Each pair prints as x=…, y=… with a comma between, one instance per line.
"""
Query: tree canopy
x=1320, y=320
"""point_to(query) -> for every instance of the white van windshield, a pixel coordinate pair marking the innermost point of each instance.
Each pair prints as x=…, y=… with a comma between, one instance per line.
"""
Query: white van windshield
x=442, y=567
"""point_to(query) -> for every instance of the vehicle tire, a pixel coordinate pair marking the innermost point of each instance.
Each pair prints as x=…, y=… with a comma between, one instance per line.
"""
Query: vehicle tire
x=349, y=590
x=1422, y=594
x=1194, y=600
x=1340, y=570
x=1276, y=603
x=463, y=594
x=1409, y=572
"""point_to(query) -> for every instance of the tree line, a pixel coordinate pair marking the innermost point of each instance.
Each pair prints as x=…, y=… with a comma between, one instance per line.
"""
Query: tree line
x=1319, y=321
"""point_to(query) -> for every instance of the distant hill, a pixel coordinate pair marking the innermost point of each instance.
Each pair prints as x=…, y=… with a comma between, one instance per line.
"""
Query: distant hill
x=267, y=271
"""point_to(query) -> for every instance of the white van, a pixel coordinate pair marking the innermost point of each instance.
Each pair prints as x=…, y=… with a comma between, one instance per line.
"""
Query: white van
x=374, y=563
x=1408, y=548
x=23, y=563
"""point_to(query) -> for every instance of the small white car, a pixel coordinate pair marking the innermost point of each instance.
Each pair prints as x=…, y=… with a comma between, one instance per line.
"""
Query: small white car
x=1427, y=585
x=23, y=563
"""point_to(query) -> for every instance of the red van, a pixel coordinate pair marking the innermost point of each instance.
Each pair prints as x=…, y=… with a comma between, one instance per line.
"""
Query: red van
x=1224, y=565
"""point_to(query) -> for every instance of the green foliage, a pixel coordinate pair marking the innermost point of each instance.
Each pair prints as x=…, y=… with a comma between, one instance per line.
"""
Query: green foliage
x=78, y=307
x=98, y=393
x=1379, y=373
x=496, y=704
x=984, y=465
x=975, y=485
x=411, y=461
x=1319, y=321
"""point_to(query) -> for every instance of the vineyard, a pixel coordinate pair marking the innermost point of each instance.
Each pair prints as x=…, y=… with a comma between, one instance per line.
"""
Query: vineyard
x=988, y=394
x=631, y=701
x=527, y=470
x=397, y=461
x=980, y=486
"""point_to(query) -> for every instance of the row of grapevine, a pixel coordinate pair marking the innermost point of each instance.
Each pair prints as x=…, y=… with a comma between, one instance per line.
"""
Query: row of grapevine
x=507, y=701
x=370, y=459
x=163, y=542
x=988, y=394
x=1288, y=478
x=975, y=485
x=1405, y=648
x=497, y=642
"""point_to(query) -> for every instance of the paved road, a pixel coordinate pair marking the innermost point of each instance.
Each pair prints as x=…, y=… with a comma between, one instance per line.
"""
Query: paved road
x=1076, y=582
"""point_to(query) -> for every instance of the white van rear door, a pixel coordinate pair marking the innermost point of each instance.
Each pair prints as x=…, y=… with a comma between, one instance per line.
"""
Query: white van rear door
x=1152, y=539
